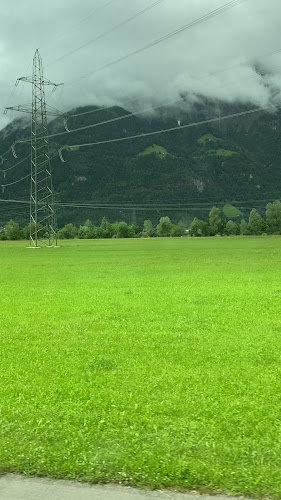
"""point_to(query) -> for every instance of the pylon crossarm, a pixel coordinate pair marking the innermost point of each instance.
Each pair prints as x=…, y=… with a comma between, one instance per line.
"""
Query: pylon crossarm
x=45, y=81
x=27, y=79
x=22, y=141
x=23, y=109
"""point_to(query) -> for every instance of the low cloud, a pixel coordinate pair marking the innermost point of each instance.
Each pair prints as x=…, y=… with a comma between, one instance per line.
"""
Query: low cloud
x=226, y=58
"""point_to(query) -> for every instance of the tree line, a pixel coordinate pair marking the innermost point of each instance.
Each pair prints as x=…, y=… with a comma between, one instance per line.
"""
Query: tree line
x=13, y=231
x=214, y=225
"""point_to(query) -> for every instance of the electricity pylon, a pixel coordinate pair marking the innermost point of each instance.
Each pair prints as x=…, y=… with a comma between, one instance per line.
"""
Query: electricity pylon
x=43, y=227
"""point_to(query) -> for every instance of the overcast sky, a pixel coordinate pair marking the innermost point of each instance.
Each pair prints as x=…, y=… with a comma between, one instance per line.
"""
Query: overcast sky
x=202, y=60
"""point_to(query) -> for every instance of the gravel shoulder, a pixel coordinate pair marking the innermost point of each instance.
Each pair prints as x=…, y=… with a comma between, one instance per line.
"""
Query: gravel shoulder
x=14, y=487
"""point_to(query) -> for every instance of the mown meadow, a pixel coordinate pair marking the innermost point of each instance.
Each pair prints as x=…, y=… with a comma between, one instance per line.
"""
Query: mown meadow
x=150, y=362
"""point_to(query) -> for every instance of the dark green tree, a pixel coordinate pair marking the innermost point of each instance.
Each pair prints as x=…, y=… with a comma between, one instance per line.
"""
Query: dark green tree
x=256, y=223
x=106, y=229
x=244, y=227
x=273, y=217
x=12, y=230
x=164, y=227
x=132, y=231
x=198, y=228
x=122, y=230
x=147, y=228
x=86, y=231
x=178, y=229
x=69, y=231
x=2, y=234
x=222, y=226
x=214, y=221
x=231, y=228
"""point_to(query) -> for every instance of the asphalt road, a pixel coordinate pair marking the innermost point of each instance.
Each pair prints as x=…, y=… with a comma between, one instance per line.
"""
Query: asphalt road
x=14, y=487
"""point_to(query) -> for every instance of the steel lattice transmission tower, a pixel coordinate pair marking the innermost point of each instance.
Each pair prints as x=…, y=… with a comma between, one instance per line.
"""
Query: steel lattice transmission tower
x=43, y=227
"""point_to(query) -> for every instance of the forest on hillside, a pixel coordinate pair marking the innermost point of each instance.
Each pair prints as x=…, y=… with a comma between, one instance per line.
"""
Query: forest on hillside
x=180, y=174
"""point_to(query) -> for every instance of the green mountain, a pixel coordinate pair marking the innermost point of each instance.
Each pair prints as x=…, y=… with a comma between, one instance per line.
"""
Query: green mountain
x=182, y=173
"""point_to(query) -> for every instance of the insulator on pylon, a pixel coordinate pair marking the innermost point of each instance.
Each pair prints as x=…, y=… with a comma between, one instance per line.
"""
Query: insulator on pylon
x=65, y=125
x=61, y=157
x=4, y=173
x=3, y=189
x=2, y=160
x=13, y=150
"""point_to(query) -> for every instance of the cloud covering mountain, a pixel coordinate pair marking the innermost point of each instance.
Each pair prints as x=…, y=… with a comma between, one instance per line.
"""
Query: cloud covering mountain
x=231, y=57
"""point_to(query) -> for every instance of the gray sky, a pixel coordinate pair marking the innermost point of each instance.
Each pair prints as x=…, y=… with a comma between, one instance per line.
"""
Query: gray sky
x=203, y=60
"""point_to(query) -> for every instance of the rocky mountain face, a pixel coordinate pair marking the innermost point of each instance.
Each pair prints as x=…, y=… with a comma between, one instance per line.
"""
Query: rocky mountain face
x=182, y=173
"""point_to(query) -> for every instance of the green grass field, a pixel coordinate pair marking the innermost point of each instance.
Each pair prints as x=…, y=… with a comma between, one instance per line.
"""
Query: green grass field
x=153, y=362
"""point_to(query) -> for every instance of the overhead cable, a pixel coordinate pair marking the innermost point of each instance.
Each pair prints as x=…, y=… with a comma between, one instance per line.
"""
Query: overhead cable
x=117, y=26
x=25, y=177
x=131, y=205
x=131, y=114
x=14, y=201
x=14, y=166
x=202, y=122
x=142, y=206
x=130, y=102
x=192, y=24
x=92, y=13
x=15, y=182
x=145, y=110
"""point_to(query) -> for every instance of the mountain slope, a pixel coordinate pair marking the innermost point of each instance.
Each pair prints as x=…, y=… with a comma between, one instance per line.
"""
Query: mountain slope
x=235, y=159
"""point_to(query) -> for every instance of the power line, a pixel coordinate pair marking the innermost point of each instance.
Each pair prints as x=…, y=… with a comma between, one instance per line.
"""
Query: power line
x=149, y=133
x=141, y=209
x=203, y=122
x=6, y=152
x=145, y=110
x=26, y=109
x=22, y=178
x=178, y=206
x=142, y=206
x=132, y=114
x=144, y=209
x=10, y=150
x=242, y=63
x=190, y=25
x=103, y=108
x=92, y=13
x=15, y=182
x=271, y=53
x=14, y=166
x=128, y=115
x=254, y=110
x=3, y=200
x=117, y=26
